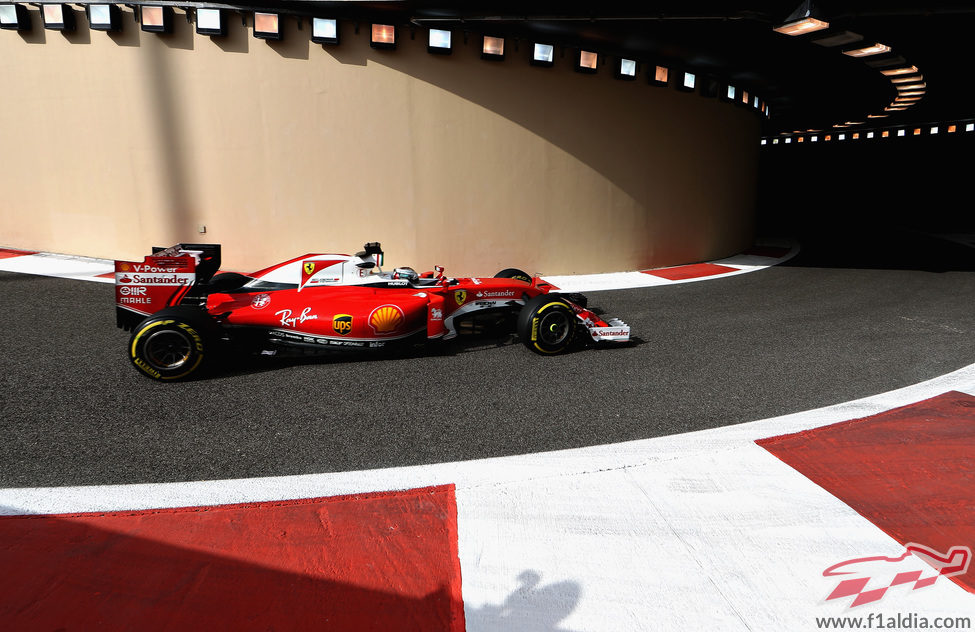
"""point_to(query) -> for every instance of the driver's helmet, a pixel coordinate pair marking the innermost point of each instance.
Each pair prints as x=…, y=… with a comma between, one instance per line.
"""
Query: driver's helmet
x=406, y=273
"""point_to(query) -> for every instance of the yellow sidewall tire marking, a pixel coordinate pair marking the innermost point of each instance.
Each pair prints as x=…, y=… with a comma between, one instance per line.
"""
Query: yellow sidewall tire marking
x=198, y=343
x=142, y=331
x=535, y=328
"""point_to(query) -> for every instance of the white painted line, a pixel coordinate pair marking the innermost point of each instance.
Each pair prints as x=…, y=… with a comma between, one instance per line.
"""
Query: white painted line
x=630, y=280
x=62, y=266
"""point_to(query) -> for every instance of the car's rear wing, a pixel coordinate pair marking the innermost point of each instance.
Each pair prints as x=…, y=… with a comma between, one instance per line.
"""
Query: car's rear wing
x=169, y=276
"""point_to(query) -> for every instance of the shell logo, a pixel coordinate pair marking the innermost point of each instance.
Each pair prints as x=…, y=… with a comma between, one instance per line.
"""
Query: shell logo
x=386, y=319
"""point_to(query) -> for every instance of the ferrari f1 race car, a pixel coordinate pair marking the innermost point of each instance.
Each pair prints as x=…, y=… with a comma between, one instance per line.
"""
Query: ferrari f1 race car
x=183, y=314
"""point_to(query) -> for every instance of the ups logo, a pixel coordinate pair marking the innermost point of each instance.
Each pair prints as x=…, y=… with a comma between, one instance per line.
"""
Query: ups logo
x=460, y=296
x=342, y=324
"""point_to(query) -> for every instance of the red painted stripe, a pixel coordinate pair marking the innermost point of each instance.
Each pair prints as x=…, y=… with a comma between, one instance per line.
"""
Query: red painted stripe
x=106, y=275
x=910, y=471
x=692, y=271
x=7, y=253
x=367, y=562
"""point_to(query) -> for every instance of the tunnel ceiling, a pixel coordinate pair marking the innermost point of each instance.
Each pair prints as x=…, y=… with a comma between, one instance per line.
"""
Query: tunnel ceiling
x=807, y=85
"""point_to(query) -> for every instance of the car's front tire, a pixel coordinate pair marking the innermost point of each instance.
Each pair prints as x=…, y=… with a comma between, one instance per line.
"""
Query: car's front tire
x=171, y=346
x=547, y=324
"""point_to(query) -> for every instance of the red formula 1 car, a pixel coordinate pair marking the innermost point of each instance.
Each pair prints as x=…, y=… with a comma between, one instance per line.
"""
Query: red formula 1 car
x=183, y=314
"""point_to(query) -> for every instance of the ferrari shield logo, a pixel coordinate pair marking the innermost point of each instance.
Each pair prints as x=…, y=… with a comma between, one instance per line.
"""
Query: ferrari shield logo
x=309, y=267
x=460, y=296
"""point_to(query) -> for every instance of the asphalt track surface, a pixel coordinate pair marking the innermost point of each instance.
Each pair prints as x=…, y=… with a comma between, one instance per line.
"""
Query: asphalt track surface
x=839, y=322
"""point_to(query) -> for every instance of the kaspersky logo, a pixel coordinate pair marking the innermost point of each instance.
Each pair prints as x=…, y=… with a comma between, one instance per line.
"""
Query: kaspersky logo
x=342, y=324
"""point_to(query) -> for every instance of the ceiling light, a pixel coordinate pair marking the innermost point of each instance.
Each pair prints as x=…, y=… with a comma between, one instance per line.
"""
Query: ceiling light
x=438, y=42
x=893, y=72
x=905, y=79
x=805, y=19
x=626, y=69
x=383, y=37
x=156, y=19
x=492, y=48
x=587, y=62
x=801, y=27
x=912, y=86
x=325, y=30
x=543, y=55
x=210, y=22
x=14, y=17
x=267, y=26
x=866, y=51
x=912, y=93
x=660, y=76
x=104, y=17
x=58, y=17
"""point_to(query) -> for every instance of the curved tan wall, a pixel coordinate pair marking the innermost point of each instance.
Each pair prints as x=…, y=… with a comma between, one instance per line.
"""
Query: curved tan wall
x=116, y=142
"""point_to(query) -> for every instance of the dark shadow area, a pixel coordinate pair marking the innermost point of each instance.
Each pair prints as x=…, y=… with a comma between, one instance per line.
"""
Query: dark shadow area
x=295, y=42
x=873, y=204
x=169, y=130
x=350, y=55
x=237, y=39
x=82, y=33
x=130, y=33
x=36, y=34
x=183, y=32
x=532, y=607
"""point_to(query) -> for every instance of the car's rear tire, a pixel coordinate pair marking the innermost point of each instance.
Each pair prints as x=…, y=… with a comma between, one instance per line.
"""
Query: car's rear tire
x=172, y=345
x=547, y=324
x=514, y=273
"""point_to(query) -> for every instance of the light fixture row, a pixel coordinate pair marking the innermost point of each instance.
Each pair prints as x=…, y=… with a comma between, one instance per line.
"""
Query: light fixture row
x=814, y=136
x=906, y=79
x=268, y=26
x=155, y=19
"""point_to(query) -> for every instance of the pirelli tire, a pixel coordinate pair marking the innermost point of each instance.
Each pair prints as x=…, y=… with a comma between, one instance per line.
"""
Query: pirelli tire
x=547, y=324
x=514, y=273
x=173, y=344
